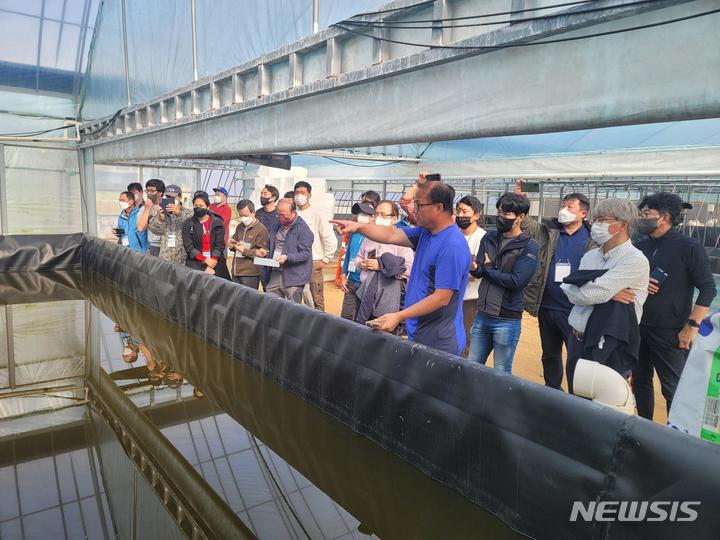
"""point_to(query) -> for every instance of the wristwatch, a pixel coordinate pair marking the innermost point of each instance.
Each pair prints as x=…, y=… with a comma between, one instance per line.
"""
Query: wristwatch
x=692, y=323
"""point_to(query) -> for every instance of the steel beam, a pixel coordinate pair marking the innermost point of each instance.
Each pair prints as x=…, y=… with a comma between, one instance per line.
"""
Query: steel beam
x=648, y=75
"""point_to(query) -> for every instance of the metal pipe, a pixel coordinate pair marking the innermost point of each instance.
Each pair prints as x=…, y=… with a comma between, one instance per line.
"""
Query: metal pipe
x=193, y=8
x=316, y=16
x=3, y=193
x=125, y=52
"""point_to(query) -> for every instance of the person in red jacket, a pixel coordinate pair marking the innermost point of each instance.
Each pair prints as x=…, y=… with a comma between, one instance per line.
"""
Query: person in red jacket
x=222, y=209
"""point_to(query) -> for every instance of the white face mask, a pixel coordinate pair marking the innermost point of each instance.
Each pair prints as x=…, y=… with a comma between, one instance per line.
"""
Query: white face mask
x=301, y=200
x=127, y=351
x=384, y=221
x=218, y=199
x=124, y=205
x=565, y=216
x=363, y=218
x=246, y=220
x=600, y=232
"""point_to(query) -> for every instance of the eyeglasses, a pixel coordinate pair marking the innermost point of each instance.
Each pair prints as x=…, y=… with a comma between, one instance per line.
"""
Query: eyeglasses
x=648, y=214
x=418, y=204
x=382, y=215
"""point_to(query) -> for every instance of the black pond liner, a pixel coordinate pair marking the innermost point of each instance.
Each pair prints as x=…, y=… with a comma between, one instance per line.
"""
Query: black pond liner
x=518, y=449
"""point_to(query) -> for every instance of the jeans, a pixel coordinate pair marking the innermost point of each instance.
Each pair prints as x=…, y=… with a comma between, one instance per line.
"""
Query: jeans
x=500, y=336
x=554, y=332
x=659, y=351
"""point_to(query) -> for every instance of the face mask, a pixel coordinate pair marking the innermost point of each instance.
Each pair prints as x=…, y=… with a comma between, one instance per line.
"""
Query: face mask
x=246, y=220
x=265, y=200
x=363, y=218
x=504, y=224
x=301, y=200
x=200, y=212
x=463, y=222
x=127, y=351
x=647, y=226
x=153, y=198
x=384, y=221
x=218, y=199
x=284, y=221
x=124, y=205
x=600, y=233
x=138, y=197
x=565, y=216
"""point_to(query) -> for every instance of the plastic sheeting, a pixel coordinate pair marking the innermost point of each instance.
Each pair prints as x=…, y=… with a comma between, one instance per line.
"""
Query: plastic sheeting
x=44, y=46
x=523, y=451
x=520, y=450
x=159, y=39
x=110, y=180
x=42, y=191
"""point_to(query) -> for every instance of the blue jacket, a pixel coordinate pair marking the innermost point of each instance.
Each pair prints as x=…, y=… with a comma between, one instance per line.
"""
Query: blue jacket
x=297, y=270
x=502, y=289
x=352, y=250
x=137, y=241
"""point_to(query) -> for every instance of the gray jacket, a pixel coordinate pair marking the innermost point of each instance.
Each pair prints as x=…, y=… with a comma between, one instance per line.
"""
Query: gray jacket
x=381, y=293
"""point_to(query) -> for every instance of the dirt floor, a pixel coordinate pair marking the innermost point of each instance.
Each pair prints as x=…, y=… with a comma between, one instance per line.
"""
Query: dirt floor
x=527, y=358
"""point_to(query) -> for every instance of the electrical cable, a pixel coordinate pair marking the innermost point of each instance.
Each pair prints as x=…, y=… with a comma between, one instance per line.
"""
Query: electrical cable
x=390, y=162
x=402, y=24
x=513, y=12
x=36, y=133
x=533, y=43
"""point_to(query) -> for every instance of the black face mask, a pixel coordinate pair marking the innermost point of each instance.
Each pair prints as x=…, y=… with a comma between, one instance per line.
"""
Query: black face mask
x=265, y=200
x=463, y=222
x=504, y=224
x=647, y=226
x=200, y=212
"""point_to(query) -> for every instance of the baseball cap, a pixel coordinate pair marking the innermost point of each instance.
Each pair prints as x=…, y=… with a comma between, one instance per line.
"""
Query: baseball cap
x=364, y=208
x=173, y=190
x=221, y=190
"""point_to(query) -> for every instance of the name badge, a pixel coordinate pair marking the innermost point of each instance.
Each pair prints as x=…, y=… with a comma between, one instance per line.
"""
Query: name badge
x=277, y=254
x=125, y=241
x=352, y=266
x=206, y=254
x=244, y=245
x=562, y=270
x=171, y=240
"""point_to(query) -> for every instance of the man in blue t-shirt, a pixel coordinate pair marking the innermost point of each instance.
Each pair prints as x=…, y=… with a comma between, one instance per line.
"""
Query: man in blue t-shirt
x=433, y=304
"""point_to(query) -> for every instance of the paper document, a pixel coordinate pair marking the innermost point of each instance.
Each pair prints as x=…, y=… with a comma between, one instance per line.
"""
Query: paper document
x=260, y=261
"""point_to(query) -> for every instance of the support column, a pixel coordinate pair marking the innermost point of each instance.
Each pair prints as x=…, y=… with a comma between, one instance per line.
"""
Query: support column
x=87, y=179
x=3, y=193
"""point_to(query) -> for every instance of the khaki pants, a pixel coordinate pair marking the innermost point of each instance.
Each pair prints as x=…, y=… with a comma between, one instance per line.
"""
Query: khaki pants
x=469, y=313
x=317, y=286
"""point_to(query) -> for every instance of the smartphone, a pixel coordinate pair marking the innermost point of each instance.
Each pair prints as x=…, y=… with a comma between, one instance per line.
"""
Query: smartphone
x=119, y=231
x=531, y=187
x=372, y=324
x=659, y=274
x=372, y=254
x=165, y=201
x=435, y=177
